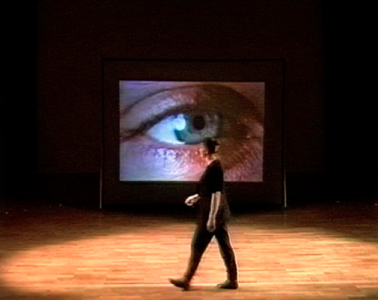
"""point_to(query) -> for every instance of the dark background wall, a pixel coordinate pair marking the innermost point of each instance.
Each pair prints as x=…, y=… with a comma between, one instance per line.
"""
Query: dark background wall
x=52, y=131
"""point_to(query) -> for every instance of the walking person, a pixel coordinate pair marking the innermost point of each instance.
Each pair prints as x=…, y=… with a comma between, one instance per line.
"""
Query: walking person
x=212, y=220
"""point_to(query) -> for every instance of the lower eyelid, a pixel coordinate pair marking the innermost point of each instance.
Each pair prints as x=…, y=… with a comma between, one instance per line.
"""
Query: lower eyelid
x=238, y=160
x=237, y=156
x=182, y=163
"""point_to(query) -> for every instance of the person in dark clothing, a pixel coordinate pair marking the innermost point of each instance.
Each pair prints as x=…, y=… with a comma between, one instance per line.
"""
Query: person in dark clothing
x=213, y=216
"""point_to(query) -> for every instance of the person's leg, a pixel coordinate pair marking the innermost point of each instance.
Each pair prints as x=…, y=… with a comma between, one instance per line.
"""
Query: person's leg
x=200, y=241
x=228, y=256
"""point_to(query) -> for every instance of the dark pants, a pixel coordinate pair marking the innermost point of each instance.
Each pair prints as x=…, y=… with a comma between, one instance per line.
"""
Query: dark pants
x=201, y=240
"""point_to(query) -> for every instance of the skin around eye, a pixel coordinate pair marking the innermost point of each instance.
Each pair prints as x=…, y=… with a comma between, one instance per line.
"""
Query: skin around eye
x=151, y=149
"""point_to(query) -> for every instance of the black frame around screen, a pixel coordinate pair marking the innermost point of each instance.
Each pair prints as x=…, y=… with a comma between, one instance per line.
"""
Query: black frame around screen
x=271, y=72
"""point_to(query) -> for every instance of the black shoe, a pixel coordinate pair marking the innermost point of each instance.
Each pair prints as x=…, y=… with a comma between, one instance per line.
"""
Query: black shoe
x=230, y=285
x=182, y=283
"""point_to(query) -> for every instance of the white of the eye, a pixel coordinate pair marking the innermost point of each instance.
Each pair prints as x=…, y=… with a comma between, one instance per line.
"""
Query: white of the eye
x=164, y=131
x=180, y=122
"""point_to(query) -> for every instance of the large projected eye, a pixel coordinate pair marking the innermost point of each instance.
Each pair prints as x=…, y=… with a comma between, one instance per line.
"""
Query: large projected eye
x=188, y=128
x=162, y=125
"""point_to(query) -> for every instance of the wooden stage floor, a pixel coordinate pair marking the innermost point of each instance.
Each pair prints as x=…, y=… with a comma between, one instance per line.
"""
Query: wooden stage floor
x=309, y=252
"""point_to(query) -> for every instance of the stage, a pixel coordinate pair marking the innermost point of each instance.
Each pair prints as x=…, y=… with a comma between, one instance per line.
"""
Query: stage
x=325, y=251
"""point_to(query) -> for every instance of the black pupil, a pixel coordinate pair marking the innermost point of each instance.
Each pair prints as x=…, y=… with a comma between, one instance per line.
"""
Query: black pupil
x=198, y=122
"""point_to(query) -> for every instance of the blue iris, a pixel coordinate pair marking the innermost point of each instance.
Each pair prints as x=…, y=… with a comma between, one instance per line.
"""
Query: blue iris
x=186, y=128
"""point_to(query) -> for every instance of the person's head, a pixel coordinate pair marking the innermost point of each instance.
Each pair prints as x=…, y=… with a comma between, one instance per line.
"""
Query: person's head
x=210, y=147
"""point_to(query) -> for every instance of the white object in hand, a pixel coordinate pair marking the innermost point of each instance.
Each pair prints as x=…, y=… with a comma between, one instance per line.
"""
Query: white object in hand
x=191, y=200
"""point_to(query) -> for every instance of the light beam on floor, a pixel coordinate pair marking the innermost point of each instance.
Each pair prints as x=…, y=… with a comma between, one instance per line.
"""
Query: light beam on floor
x=301, y=260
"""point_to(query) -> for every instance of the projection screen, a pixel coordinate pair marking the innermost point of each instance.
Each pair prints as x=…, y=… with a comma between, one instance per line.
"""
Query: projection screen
x=163, y=123
x=157, y=113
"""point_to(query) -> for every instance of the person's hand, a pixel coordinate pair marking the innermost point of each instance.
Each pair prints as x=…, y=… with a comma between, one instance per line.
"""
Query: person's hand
x=210, y=226
x=191, y=200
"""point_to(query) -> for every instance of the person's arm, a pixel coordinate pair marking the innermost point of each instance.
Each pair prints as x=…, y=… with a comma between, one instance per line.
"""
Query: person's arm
x=214, y=208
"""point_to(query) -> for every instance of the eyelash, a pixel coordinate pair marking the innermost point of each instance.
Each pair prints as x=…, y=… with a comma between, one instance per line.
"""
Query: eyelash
x=147, y=124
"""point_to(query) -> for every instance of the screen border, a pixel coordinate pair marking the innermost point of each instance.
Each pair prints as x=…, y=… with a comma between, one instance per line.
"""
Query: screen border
x=271, y=72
